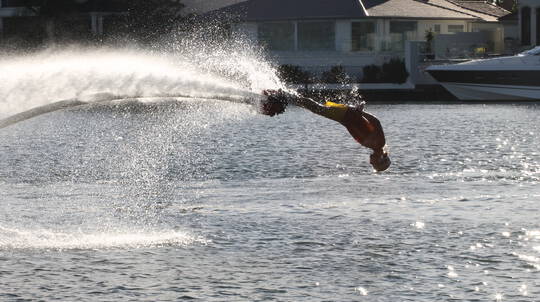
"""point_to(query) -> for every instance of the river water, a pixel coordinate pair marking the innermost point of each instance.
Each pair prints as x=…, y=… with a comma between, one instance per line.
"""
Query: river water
x=208, y=200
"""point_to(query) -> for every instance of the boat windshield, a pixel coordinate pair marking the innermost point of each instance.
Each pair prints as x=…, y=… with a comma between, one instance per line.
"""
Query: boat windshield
x=532, y=52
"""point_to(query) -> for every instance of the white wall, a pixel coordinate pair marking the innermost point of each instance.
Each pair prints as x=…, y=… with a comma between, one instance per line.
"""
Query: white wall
x=425, y=25
x=511, y=31
x=496, y=33
x=318, y=61
x=246, y=30
x=343, y=35
x=460, y=45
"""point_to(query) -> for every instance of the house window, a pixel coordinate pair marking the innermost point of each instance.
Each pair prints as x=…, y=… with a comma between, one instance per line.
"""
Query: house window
x=437, y=28
x=363, y=36
x=278, y=36
x=526, y=26
x=400, y=32
x=316, y=36
x=456, y=28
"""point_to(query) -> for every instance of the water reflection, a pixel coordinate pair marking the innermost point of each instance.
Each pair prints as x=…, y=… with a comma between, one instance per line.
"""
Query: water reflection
x=272, y=209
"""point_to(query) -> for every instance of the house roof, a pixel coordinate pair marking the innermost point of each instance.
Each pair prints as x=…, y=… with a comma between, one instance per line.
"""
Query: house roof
x=453, y=5
x=204, y=6
x=418, y=9
x=235, y=13
x=483, y=7
x=305, y=9
x=274, y=10
x=513, y=17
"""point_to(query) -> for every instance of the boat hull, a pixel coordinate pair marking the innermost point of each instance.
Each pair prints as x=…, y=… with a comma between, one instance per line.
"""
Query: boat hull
x=502, y=79
x=487, y=92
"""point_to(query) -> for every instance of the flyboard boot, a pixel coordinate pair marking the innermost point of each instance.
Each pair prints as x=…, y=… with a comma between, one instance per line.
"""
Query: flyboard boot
x=276, y=102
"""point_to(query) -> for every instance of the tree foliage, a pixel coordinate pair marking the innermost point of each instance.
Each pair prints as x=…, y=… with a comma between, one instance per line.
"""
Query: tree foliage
x=336, y=75
x=393, y=71
x=143, y=20
x=150, y=19
x=52, y=8
x=294, y=74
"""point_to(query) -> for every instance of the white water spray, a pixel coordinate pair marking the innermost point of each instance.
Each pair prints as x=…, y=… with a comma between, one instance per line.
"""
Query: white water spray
x=35, y=80
x=16, y=238
x=43, y=79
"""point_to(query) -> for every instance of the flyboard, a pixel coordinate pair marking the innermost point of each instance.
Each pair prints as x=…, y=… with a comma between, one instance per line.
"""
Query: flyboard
x=104, y=98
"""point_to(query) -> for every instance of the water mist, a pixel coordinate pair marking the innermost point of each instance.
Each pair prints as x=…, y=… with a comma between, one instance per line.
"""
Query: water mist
x=127, y=156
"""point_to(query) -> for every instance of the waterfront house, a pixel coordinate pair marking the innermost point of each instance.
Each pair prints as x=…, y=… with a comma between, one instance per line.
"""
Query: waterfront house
x=318, y=34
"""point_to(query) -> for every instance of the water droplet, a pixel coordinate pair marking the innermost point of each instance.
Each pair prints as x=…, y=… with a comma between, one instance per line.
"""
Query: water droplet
x=451, y=272
x=361, y=290
x=523, y=290
x=419, y=225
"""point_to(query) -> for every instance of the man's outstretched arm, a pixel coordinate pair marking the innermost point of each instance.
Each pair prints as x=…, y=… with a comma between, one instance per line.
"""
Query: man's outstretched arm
x=306, y=103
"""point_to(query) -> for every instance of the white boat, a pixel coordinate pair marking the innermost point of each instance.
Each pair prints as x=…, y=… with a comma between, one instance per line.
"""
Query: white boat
x=514, y=78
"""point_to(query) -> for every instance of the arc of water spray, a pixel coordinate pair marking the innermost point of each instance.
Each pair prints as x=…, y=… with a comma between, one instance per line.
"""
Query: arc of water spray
x=250, y=98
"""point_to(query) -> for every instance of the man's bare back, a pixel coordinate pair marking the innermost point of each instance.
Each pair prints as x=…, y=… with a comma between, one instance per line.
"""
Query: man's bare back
x=363, y=127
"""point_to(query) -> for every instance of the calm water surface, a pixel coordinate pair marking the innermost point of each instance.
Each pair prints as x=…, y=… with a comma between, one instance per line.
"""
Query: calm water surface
x=207, y=200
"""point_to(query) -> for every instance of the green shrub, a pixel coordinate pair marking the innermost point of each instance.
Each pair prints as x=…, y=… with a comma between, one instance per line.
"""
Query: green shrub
x=371, y=74
x=293, y=74
x=394, y=71
x=336, y=75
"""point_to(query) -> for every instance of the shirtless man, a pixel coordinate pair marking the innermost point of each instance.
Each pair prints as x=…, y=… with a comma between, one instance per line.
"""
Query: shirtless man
x=363, y=127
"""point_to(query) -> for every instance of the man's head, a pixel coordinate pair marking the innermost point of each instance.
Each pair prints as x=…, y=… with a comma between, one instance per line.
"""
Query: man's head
x=380, y=161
